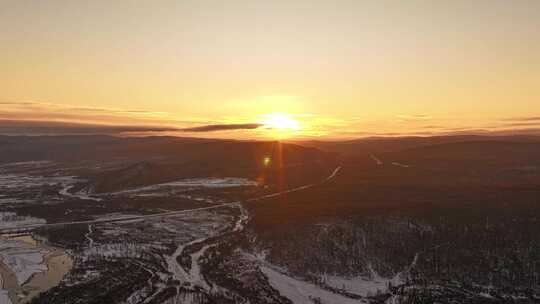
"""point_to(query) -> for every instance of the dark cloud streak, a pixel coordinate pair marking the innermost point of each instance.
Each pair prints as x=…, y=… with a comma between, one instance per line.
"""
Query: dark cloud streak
x=524, y=119
x=35, y=127
x=223, y=127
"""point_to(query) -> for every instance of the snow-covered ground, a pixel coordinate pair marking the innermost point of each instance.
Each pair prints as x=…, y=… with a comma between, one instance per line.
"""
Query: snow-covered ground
x=114, y=216
x=88, y=236
x=192, y=183
x=21, y=181
x=17, y=181
x=301, y=292
x=242, y=220
x=22, y=258
x=207, y=227
x=4, y=299
x=193, y=277
x=377, y=160
x=225, y=182
x=196, y=278
x=183, y=230
x=27, y=164
x=29, y=267
x=400, y=165
x=16, y=178
x=82, y=194
x=369, y=285
x=12, y=220
x=10, y=200
x=359, y=285
x=114, y=250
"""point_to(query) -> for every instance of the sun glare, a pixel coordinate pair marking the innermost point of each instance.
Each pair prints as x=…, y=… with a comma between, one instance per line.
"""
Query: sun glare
x=280, y=121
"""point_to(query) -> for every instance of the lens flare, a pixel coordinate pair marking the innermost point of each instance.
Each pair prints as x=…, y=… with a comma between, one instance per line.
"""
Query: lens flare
x=266, y=161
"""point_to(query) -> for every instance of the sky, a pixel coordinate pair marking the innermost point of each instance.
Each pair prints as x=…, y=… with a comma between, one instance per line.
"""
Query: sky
x=333, y=69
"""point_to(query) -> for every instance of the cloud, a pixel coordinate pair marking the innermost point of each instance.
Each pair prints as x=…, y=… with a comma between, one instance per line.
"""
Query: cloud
x=30, y=117
x=40, y=127
x=8, y=103
x=31, y=127
x=416, y=117
x=523, y=123
x=431, y=127
x=44, y=111
x=530, y=118
x=223, y=127
x=503, y=132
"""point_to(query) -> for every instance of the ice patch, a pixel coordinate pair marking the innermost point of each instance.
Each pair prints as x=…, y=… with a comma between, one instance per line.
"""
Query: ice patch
x=301, y=292
x=23, y=259
x=358, y=285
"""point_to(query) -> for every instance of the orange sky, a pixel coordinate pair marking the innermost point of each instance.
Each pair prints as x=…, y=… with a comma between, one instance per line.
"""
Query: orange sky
x=341, y=69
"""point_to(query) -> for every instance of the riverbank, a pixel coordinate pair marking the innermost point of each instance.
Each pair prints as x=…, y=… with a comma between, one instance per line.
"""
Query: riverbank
x=29, y=267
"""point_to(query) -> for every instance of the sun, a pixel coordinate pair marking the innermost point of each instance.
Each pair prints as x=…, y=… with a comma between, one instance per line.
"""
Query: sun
x=280, y=121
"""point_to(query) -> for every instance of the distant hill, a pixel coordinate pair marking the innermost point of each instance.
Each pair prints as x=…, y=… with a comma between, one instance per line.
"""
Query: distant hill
x=95, y=147
x=139, y=161
x=389, y=144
